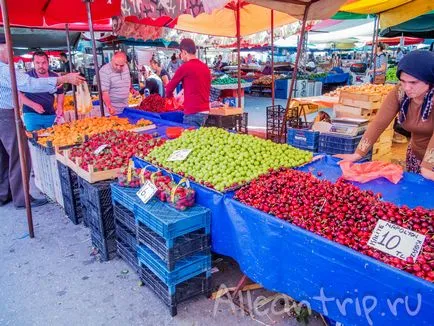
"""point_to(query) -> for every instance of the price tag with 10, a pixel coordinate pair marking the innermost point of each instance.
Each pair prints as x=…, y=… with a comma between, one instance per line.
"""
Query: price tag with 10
x=395, y=240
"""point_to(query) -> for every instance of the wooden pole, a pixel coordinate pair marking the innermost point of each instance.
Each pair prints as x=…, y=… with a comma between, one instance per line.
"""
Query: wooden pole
x=272, y=58
x=95, y=58
x=238, y=52
x=70, y=69
x=18, y=122
x=294, y=72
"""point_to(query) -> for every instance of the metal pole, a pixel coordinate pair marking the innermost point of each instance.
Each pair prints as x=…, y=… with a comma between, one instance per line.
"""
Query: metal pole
x=272, y=57
x=18, y=122
x=70, y=69
x=95, y=58
x=294, y=72
x=238, y=52
x=373, y=40
x=376, y=44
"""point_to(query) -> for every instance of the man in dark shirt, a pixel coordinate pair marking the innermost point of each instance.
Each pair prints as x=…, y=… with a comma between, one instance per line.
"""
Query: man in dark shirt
x=38, y=108
x=65, y=69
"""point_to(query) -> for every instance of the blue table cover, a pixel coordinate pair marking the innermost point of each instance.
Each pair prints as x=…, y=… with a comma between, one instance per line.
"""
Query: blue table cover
x=176, y=116
x=135, y=115
x=335, y=78
x=287, y=259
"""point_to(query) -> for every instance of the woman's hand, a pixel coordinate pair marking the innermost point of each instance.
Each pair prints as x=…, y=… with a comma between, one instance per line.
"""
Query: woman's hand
x=427, y=174
x=349, y=157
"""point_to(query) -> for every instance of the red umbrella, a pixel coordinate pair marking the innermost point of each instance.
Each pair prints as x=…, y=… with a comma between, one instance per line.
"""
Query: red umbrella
x=50, y=12
x=397, y=40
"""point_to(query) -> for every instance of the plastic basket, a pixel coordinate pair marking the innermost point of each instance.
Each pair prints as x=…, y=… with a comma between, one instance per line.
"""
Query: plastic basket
x=70, y=193
x=126, y=236
x=183, y=246
x=106, y=245
x=184, y=270
x=128, y=254
x=303, y=139
x=337, y=144
x=124, y=216
x=173, y=295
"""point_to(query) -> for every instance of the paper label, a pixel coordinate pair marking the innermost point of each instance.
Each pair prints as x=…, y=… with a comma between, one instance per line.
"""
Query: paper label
x=179, y=155
x=396, y=240
x=147, y=191
x=100, y=149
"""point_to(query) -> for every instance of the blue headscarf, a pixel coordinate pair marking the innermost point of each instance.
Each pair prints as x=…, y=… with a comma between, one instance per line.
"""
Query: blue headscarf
x=420, y=65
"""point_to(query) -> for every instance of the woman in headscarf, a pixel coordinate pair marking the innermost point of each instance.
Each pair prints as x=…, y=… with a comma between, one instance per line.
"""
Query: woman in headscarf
x=413, y=100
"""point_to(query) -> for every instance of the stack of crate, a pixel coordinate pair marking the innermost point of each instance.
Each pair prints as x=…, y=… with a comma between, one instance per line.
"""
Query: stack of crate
x=97, y=208
x=70, y=193
x=173, y=247
x=44, y=165
x=365, y=106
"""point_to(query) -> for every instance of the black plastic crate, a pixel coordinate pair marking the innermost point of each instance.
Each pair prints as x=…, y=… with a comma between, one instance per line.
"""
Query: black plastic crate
x=106, y=245
x=128, y=254
x=231, y=122
x=184, y=246
x=70, y=193
x=125, y=235
x=275, y=114
x=96, y=198
x=193, y=287
x=125, y=216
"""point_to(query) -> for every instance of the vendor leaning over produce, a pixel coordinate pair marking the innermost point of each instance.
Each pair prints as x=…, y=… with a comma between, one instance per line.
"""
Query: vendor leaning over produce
x=413, y=100
x=196, y=81
x=38, y=108
x=116, y=83
x=11, y=184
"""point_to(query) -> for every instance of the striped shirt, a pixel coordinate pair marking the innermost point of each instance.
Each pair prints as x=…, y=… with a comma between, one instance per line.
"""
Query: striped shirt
x=25, y=83
x=117, y=85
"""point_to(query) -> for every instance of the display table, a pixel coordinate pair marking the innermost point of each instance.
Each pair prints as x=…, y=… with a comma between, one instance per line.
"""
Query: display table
x=287, y=259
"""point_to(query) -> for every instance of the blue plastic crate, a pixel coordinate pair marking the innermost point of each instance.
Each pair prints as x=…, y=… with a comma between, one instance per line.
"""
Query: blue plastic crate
x=125, y=196
x=282, y=94
x=303, y=138
x=337, y=144
x=172, y=296
x=163, y=219
x=184, y=270
x=169, y=222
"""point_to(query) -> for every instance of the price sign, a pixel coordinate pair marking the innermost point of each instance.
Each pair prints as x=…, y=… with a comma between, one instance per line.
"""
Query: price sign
x=100, y=149
x=396, y=240
x=147, y=191
x=179, y=155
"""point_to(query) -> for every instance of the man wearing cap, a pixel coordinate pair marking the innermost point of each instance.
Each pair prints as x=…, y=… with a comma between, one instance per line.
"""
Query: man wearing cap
x=196, y=80
x=11, y=184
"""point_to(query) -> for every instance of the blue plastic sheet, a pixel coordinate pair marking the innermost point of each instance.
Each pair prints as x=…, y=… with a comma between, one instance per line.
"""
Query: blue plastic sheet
x=413, y=189
x=287, y=259
x=176, y=116
x=337, y=78
x=135, y=115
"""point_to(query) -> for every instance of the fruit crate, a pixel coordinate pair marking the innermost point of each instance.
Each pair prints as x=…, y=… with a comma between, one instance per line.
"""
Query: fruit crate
x=237, y=122
x=106, y=245
x=303, y=139
x=127, y=237
x=124, y=216
x=128, y=254
x=160, y=217
x=171, y=252
x=275, y=114
x=98, y=212
x=173, y=295
x=70, y=193
x=184, y=270
x=340, y=144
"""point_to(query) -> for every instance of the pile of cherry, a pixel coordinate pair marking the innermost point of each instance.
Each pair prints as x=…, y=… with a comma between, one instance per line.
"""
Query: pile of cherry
x=340, y=212
x=120, y=147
